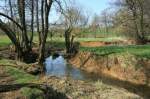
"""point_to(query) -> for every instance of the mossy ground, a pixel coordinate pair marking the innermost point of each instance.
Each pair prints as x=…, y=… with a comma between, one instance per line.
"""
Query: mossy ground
x=19, y=77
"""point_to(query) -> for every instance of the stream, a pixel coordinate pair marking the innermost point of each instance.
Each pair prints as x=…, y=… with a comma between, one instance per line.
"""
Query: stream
x=60, y=68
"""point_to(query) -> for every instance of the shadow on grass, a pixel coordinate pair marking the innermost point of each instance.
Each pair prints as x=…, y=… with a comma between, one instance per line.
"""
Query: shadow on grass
x=47, y=91
x=139, y=89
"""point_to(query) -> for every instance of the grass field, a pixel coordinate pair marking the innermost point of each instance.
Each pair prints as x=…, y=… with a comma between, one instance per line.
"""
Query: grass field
x=57, y=41
x=109, y=39
x=138, y=50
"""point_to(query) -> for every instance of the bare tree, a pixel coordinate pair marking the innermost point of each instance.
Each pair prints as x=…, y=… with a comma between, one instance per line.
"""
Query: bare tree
x=72, y=18
x=95, y=24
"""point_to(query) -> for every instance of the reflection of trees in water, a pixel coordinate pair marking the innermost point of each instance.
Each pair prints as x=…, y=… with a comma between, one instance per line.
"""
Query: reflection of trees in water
x=68, y=70
x=55, y=66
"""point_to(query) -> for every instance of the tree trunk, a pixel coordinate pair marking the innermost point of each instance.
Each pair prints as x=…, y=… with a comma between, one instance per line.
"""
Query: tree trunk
x=25, y=40
x=45, y=8
x=32, y=22
x=41, y=51
x=13, y=39
x=68, y=40
x=37, y=21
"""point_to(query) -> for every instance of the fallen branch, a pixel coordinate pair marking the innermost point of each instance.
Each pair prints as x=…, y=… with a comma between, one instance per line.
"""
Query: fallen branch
x=12, y=87
x=48, y=91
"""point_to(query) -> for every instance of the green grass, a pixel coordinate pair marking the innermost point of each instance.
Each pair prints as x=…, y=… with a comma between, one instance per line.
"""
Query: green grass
x=60, y=42
x=109, y=39
x=32, y=93
x=20, y=76
x=137, y=50
x=4, y=41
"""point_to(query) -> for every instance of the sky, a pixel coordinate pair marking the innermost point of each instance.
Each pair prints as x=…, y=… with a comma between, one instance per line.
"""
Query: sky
x=92, y=6
x=95, y=6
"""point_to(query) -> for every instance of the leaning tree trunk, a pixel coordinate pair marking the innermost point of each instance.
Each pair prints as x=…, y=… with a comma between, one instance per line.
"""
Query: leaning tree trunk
x=13, y=39
x=12, y=14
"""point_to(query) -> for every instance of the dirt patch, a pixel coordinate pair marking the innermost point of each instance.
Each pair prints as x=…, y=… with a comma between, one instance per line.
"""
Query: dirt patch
x=92, y=44
x=102, y=43
x=12, y=95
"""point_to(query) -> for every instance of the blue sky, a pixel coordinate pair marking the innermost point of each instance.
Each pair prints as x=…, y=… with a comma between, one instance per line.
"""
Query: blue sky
x=92, y=6
x=95, y=6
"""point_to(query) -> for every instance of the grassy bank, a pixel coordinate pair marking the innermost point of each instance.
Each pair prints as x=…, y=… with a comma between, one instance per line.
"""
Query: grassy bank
x=138, y=50
x=19, y=77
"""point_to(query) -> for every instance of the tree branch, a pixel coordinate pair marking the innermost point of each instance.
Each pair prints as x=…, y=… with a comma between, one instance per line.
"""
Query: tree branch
x=6, y=16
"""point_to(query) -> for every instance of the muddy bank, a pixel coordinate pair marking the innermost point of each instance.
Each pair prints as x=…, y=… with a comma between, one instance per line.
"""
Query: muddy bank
x=123, y=67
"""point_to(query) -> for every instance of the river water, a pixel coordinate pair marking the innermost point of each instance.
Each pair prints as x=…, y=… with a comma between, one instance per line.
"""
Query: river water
x=60, y=68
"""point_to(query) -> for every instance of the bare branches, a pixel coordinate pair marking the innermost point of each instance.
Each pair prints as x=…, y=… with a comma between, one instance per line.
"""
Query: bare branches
x=6, y=16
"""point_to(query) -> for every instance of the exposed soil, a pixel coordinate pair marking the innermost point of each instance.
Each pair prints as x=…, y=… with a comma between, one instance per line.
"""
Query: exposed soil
x=114, y=66
x=102, y=43
x=92, y=44
x=115, y=71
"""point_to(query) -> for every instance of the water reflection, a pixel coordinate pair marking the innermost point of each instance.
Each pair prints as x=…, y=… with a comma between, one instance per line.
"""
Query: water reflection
x=59, y=67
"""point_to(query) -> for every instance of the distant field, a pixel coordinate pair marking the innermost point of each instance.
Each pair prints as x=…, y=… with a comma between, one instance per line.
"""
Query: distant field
x=138, y=50
x=4, y=40
x=109, y=39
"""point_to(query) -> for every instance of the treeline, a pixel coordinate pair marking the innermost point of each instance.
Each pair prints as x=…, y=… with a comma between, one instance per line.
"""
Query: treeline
x=133, y=19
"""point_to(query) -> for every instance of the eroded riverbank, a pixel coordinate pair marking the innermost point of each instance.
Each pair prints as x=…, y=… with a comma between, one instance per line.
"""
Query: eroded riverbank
x=108, y=85
x=126, y=71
